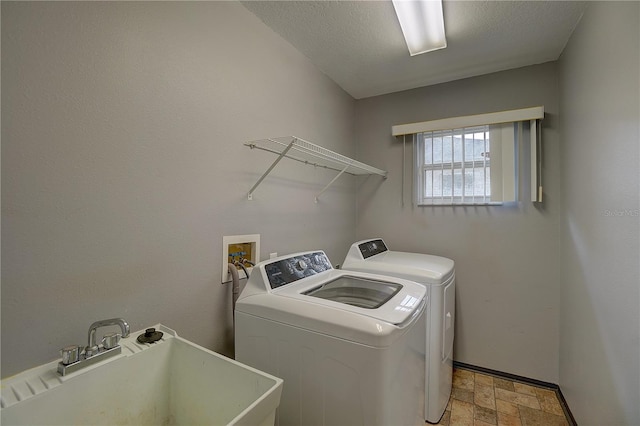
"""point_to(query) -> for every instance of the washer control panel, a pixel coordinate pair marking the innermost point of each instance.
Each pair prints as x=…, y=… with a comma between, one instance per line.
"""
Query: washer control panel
x=371, y=248
x=294, y=268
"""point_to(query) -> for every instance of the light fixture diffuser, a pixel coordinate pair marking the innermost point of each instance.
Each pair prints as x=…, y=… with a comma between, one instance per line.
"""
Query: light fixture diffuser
x=422, y=24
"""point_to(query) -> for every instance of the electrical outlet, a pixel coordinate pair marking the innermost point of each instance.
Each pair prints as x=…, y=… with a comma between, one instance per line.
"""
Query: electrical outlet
x=238, y=247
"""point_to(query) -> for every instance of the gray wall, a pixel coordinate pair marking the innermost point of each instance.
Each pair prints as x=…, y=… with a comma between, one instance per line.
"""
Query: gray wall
x=123, y=165
x=600, y=316
x=506, y=256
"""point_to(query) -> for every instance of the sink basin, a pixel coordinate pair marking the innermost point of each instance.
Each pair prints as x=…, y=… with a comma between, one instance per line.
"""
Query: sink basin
x=170, y=382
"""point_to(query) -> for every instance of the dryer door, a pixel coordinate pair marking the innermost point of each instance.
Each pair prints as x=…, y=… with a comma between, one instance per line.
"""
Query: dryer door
x=449, y=319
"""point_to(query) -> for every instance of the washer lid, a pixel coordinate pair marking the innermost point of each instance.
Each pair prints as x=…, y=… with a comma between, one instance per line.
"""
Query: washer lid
x=383, y=299
x=386, y=299
x=374, y=257
x=356, y=291
x=354, y=306
x=376, y=327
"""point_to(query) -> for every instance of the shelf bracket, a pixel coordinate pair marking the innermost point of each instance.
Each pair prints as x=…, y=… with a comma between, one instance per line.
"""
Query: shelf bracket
x=331, y=183
x=280, y=157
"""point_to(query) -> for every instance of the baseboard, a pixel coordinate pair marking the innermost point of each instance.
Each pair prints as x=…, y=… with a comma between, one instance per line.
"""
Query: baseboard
x=525, y=380
x=565, y=407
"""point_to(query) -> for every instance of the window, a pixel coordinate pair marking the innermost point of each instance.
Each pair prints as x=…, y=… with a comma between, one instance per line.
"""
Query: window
x=474, y=159
x=457, y=166
x=454, y=166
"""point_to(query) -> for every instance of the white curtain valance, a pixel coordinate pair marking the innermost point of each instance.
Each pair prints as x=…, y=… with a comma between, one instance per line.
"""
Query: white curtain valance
x=515, y=115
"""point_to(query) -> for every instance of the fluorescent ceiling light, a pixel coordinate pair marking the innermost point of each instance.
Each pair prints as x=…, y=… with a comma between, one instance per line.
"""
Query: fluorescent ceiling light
x=422, y=24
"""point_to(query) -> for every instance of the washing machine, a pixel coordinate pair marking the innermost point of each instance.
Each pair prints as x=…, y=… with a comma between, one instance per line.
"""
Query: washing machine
x=350, y=346
x=437, y=274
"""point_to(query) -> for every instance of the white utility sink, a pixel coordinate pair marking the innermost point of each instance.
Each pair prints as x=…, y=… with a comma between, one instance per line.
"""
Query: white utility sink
x=170, y=382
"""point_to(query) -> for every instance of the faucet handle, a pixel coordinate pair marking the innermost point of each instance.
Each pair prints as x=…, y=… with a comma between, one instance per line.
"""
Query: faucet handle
x=70, y=354
x=111, y=340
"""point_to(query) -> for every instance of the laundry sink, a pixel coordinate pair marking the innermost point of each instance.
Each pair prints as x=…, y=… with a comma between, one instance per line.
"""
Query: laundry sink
x=169, y=382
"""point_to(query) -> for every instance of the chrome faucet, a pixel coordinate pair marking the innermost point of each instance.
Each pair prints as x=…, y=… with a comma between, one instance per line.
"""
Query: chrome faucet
x=74, y=358
x=110, y=340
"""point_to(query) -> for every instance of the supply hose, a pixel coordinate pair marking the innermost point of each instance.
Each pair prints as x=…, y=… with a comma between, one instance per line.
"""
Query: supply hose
x=235, y=292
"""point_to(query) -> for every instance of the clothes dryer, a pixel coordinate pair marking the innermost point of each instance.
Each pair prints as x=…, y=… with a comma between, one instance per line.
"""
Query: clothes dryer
x=437, y=274
x=350, y=346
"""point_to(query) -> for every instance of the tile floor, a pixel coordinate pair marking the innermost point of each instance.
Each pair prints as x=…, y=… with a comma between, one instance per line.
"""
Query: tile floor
x=481, y=400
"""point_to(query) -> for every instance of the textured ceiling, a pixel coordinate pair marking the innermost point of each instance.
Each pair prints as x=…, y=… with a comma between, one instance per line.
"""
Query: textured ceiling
x=360, y=46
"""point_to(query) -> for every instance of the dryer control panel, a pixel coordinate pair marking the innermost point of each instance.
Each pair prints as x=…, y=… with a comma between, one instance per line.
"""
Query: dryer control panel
x=371, y=248
x=294, y=268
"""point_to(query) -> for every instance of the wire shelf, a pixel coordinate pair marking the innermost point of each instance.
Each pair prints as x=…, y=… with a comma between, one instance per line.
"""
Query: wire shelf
x=303, y=151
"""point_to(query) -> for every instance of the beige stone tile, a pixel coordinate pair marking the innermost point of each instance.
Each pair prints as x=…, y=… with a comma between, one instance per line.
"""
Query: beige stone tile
x=486, y=415
x=525, y=389
x=462, y=395
x=461, y=413
x=463, y=382
x=542, y=392
x=508, y=420
x=463, y=379
x=483, y=396
x=503, y=384
x=549, y=401
x=483, y=379
x=460, y=372
x=445, y=420
x=482, y=400
x=507, y=408
x=518, y=398
x=531, y=417
x=550, y=404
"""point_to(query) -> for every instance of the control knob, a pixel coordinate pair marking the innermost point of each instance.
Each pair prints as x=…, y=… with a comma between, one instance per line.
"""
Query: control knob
x=70, y=354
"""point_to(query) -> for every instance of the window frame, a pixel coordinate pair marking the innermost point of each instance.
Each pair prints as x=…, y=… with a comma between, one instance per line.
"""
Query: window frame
x=422, y=168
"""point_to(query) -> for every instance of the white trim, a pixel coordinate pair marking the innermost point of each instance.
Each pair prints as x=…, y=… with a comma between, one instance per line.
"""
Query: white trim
x=514, y=115
x=534, y=161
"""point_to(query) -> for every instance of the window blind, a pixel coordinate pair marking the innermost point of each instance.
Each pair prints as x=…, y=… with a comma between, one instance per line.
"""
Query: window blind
x=472, y=159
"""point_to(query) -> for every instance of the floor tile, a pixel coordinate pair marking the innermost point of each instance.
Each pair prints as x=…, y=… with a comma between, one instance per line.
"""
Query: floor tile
x=462, y=394
x=485, y=415
x=525, y=389
x=540, y=392
x=531, y=417
x=479, y=399
x=461, y=372
x=551, y=405
x=518, y=398
x=483, y=379
x=549, y=401
x=503, y=384
x=463, y=379
x=461, y=413
x=484, y=397
x=507, y=407
x=508, y=420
